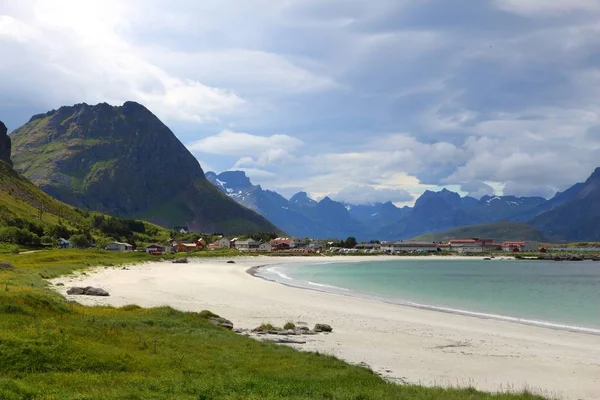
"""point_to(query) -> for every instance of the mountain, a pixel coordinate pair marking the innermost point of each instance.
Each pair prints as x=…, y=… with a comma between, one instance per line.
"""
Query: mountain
x=499, y=231
x=378, y=214
x=5, y=144
x=125, y=162
x=578, y=218
x=558, y=200
x=300, y=216
x=433, y=211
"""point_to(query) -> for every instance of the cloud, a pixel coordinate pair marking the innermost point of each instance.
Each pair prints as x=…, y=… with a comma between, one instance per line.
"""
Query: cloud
x=477, y=189
x=245, y=144
x=368, y=195
x=544, y=7
x=397, y=95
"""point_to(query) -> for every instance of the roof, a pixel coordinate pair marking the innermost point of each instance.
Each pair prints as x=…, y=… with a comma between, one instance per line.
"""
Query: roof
x=154, y=245
x=513, y=243
x=121, y=243
x=472, y=240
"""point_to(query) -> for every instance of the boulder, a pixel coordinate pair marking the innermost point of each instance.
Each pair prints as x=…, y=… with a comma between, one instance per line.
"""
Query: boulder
x=323, y=328
x=222, y=322
x=183, y=260
x=87, y=291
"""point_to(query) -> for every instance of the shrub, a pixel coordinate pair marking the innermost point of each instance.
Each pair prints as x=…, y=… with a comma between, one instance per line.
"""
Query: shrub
x=289, y=325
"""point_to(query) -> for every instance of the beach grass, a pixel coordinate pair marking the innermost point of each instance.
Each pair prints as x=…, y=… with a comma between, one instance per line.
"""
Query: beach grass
x=54, y=349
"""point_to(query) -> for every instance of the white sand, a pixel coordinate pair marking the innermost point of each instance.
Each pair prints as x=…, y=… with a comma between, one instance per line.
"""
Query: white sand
x=408, y=344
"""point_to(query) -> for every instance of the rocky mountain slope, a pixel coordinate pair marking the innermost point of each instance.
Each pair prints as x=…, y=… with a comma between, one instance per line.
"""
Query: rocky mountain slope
x=125, y=162
x=577, y=219
x=5, y=144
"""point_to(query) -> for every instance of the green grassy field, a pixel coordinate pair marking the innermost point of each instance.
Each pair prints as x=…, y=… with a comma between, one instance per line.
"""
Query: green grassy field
x=52, y=349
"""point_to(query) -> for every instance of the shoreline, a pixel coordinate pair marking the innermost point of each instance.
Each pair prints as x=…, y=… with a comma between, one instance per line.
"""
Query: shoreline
x=255, y=272
x=404, y=344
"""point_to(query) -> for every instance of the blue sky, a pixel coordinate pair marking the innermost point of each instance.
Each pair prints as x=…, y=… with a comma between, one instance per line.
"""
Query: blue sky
x=361, y=100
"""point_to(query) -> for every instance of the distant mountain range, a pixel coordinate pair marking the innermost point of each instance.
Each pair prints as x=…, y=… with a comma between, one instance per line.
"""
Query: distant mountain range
x=433, y=212
x=125, y=162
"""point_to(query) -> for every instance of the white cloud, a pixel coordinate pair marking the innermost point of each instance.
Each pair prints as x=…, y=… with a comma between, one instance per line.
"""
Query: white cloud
x=246, y=145
x=77, y=54
x=536, y=7
x=368, y=195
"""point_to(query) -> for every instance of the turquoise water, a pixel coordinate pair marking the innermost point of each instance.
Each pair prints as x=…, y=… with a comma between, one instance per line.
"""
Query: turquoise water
x=565, y=294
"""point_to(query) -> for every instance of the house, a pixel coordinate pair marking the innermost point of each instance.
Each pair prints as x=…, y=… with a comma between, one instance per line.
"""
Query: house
x=457, y=244
x=64, y=243
x=186, y=247
x=516, y=246
x=222, y=243
x=247, y=245
x=279, y=246
x=409, y=246
x=281, y=240
x=265, y=247
x=470, y=249
x=201, y=244
x=119, y=246
x=155, y=249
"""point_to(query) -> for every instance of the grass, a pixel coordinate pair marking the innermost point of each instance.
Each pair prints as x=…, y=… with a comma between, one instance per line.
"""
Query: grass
x=53, y=349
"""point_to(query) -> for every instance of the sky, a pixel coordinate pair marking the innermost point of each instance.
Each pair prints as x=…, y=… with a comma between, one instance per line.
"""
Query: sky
x=363, y=101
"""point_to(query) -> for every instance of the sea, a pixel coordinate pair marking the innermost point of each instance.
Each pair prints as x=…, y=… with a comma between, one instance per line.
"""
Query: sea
x=560, y=295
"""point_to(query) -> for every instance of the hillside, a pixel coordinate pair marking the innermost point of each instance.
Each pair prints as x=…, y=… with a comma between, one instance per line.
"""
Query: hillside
x=124, y=161
x=500, y=231
x=577, y=219
x=28, y=215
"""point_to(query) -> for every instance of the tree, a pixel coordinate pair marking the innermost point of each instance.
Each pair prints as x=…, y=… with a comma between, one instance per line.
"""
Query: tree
x=79, y=241
x=350, y=242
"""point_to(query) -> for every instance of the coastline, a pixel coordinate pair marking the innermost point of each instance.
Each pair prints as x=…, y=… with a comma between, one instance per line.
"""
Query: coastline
x=256, y=272
x=406, y=344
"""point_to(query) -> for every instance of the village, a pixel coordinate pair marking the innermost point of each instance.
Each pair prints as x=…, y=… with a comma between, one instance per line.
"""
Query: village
x=282, y=244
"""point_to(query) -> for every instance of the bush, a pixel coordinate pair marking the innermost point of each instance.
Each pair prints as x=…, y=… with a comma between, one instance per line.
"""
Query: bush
x=79, y=241
x=289, y=325
x=16, y=235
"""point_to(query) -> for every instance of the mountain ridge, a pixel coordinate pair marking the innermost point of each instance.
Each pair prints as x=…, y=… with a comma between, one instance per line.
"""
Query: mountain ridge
x=123, y=161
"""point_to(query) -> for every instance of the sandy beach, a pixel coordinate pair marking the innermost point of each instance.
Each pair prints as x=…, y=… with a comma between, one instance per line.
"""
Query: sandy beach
x=407, y=344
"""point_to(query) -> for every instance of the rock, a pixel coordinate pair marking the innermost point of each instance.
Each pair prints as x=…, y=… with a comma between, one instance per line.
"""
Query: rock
x=91, y=291
x=302, y=328
x=284, y=340
x=230, y=262
x=87, y=291
x=5, y=265
x=183, y=260
x=76, y=290
x=222, y=322
x=5, y=145
x=323, y=328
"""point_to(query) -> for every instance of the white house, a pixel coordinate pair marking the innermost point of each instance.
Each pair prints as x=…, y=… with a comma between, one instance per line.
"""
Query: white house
x=265, y=247
x=222, y=243
x=119, y=246
x=247, y=245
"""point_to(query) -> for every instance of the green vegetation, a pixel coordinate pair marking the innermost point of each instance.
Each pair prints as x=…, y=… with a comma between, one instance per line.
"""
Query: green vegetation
x=505, y=230
x=289, y=325
x=52, y=349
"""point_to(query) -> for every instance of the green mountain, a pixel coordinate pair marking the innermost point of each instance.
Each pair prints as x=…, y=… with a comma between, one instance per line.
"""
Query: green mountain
x=125, y=162
x=500, y=231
